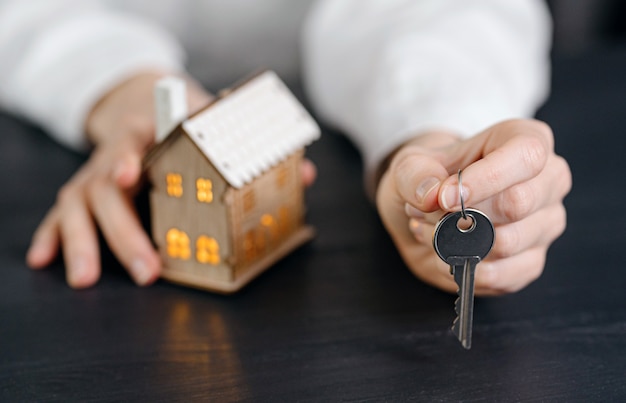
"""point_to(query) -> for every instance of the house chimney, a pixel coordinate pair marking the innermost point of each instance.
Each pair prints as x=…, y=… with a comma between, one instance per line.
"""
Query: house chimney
x=170, y=100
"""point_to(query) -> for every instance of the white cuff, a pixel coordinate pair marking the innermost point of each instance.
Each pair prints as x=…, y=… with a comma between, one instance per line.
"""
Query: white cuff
x=75, y=62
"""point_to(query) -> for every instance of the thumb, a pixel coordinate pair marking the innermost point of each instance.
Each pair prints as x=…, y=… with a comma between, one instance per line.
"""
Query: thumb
x=127, y=170
x=413, y=180
x=417, y=176
x=127, y=157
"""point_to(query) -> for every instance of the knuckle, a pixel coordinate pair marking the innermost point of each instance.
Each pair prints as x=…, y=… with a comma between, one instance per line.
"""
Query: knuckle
x=488, y=277
x=493, y=175
x=507, y=242
x=564, y=172
x=560, y=223
x=406, y=173
x=66, y=193
x=531, y=126
x=535, y=270
x=533, y=154
x=516, y=202
x=540, y=130
x=562, y=219
x=534, y=265
x=493, y=278
x=403, y=161
x=95, y=185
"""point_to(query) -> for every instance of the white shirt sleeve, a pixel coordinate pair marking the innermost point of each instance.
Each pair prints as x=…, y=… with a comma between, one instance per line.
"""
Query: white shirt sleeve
x=383, y=71
x=58, y=57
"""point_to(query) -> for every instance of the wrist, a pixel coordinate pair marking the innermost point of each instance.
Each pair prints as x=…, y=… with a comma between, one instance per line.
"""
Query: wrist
x=129, y=107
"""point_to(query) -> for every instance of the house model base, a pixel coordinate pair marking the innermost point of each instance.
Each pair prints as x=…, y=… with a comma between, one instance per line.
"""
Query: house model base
x=227, y=198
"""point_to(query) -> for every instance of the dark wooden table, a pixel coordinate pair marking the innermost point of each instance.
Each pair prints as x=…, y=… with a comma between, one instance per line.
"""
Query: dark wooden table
x=340, y=319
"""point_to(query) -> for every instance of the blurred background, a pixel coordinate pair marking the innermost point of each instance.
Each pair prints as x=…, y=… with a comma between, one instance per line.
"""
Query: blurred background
x=580, y=25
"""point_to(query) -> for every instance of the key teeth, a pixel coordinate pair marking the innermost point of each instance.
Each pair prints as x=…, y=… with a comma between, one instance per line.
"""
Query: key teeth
x=456, y=325
x=459, y=273
x=457, y=304
x=456, y=329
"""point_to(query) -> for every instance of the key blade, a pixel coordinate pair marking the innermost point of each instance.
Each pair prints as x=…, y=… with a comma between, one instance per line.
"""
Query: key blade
x=463, y=269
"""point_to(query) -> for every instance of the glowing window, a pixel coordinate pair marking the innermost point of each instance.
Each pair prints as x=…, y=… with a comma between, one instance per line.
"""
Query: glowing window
x=284, y=220
x=204, y=189
x=174, y=185
x=249, y=246
x=267, y=220
x=177, y=244
x=207, y=250
x=260, y=242
x=270, y=223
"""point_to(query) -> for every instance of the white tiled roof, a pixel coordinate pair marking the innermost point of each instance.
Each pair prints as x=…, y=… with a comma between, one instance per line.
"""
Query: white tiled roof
x=252, y=129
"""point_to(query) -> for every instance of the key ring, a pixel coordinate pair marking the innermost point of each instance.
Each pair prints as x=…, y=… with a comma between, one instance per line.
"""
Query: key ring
x=463, y=214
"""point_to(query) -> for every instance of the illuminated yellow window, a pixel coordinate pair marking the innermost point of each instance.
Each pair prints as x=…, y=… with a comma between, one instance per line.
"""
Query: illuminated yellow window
x=270, y=223
x=174, y=185
x=177, y=244
x=249, y=246
x=282, y=176
x=261, y=241
x=249, y=200
x=207, y=250
x=204, y=190
x=284, y=221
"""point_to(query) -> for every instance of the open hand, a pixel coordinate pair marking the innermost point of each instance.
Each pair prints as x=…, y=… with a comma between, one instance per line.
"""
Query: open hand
x=100, y=195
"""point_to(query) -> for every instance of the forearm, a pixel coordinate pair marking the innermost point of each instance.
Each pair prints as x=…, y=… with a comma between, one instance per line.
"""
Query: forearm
x=410, y=67
x=62, y=56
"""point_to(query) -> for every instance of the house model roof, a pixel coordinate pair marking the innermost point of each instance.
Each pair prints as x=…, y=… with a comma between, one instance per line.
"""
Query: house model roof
x=252, y=128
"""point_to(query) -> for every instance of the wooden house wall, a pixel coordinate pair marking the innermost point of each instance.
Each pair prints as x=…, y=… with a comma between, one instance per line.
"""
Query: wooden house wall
x=260, y=226
x=187, y=214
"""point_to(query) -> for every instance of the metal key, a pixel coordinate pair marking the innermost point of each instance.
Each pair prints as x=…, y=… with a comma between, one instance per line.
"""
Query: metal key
x=463, y=248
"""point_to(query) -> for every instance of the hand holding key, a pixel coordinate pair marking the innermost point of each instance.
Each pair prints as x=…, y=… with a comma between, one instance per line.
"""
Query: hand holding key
x=462, y=240
x=510, y=173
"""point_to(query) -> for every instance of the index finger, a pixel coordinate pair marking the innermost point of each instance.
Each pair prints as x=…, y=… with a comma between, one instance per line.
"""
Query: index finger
x=505, y=155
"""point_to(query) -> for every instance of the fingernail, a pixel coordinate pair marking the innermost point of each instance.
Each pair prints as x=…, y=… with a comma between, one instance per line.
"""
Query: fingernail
x=424, y=188
x=78, y=269
x=412, y=211
x=125, y=172
x=119, y=170
x=416, y=229
x=414, y=226
x=141, y=272
x=35, y=253
x=450, y=197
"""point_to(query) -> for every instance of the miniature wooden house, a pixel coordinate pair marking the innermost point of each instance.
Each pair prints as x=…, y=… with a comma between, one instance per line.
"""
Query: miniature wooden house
x=227, y=197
